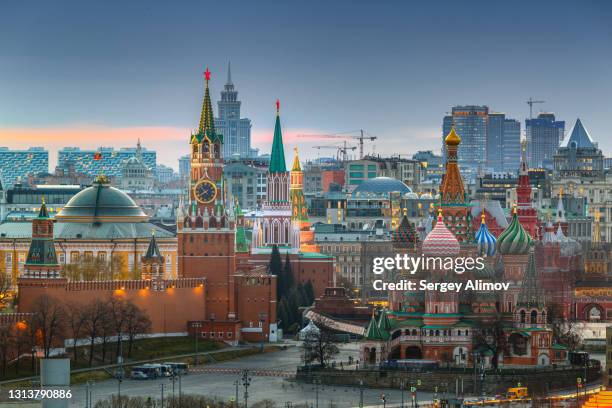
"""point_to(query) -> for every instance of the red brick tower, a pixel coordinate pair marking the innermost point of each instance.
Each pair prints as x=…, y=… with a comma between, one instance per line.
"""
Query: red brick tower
x=206, y=234
x=42, y=260
x=527, y=215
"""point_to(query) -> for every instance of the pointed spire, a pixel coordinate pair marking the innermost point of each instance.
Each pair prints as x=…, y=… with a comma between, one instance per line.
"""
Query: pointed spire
x=43, y=213
x=296, y=161
x=229, y=73
x=560, y=207
x=207, y=122
x=277, y=156
x=530, y=295
x=373, y=332
x=153, y=249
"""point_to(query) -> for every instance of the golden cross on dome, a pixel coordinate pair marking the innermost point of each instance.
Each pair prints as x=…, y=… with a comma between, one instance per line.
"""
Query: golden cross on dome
x=207, y=75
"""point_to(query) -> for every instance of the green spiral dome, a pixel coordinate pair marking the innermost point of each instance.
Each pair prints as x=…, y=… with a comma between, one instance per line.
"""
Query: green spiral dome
x=514, y=240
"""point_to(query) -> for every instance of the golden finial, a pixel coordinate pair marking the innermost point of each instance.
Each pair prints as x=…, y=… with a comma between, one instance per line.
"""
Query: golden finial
x=482, y=217
x=440, y=212
x=561, y=192
x=405, y=211
x=452, y=139
x=514, y=210
x=43, y=199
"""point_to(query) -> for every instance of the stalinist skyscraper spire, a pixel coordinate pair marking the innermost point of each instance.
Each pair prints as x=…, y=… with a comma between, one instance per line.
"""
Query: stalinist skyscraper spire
x=236, y=131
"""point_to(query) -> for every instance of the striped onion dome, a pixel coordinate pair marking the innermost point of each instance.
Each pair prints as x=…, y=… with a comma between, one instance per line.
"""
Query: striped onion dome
x=440, y=241
x=485, y=241
x=514, y=240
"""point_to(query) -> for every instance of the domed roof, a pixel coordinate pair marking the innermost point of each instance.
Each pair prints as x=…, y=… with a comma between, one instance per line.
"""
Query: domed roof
x=380, y=186
x=452, y=139
x=485, y=241
x=514, y=240
x=411, y=196
x=101, y=203
x=440, y=241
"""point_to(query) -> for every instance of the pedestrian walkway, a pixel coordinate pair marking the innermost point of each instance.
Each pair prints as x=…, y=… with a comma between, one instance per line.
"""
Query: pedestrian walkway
x=232, y=370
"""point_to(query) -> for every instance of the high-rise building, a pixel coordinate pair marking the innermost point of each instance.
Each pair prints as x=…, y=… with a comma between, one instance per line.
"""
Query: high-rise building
x=544, y=134
x=32, y=161
x=471, y=123
x=236, y=131
x=495, y=139
x=511, y=145
x=578, y=156
x=184, y=167
x=105, y=160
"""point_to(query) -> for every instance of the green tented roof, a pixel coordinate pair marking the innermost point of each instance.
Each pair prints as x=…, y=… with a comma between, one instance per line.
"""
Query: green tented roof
x=277, y=156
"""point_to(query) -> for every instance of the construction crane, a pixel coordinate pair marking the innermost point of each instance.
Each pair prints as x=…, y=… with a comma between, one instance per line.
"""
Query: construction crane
x=531, y=102
x=342, y=149
x=363, y=135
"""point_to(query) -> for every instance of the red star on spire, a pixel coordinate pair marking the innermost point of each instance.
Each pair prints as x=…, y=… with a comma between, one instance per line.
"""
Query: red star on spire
x=207, y=75
x=277, y=105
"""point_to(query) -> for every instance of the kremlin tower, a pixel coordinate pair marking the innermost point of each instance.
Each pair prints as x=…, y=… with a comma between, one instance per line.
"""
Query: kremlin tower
x=153, y=261
x=527, y=215
x=453, y=198
x=274, y=226
x=42, y=260
x=299, y=210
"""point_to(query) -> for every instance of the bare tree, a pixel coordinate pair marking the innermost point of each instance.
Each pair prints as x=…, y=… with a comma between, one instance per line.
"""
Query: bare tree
x=117, y=307
x=76, y=318
x=6, y=342
x=49, y=320
x=95, y=313
x=320, y=347
x=565, y=331
x=25, y=340
x=491, y=336
x=137, y=322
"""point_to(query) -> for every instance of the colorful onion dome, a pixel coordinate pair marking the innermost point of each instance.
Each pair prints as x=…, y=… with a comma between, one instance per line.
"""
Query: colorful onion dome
x=405, y=234
x=452, y=138
x=440, y=241
x=485, y=241
x=514, y=240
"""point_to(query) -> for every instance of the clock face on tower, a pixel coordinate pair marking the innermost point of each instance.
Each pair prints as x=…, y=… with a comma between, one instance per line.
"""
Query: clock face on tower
x=205, y=191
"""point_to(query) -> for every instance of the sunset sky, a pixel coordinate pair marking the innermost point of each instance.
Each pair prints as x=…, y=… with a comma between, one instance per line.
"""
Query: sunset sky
x=80, y=73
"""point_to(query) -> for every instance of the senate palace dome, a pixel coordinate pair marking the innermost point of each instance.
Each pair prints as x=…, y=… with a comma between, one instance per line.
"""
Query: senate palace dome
x=101, y=203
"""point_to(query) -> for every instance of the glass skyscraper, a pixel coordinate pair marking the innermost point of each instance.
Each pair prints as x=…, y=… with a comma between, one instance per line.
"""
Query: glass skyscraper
x=471, y=125
x=511, y=146
x=544, y=134
x=15, y=164
x=236, y=131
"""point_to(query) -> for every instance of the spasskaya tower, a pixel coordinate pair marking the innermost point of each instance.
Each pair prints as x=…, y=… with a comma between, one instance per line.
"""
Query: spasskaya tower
x=206, y=181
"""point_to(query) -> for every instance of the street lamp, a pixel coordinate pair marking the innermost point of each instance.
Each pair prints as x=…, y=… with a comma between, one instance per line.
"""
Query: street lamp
x=246, y=382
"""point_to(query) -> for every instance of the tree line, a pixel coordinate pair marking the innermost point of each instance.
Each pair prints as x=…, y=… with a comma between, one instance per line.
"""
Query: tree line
x=104, y=324
x=291, y=296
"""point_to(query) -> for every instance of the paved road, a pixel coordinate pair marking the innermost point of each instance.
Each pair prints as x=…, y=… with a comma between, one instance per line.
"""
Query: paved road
x=217, y=380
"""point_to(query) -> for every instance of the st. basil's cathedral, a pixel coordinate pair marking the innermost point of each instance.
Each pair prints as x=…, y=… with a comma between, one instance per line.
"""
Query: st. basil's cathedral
x=509, y=328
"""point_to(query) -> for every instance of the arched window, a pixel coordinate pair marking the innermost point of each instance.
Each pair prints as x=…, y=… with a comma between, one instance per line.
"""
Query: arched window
x=522, y=316
x=534, y=317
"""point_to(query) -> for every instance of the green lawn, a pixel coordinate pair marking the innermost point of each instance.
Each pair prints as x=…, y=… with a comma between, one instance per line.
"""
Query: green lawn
x=143, y=349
